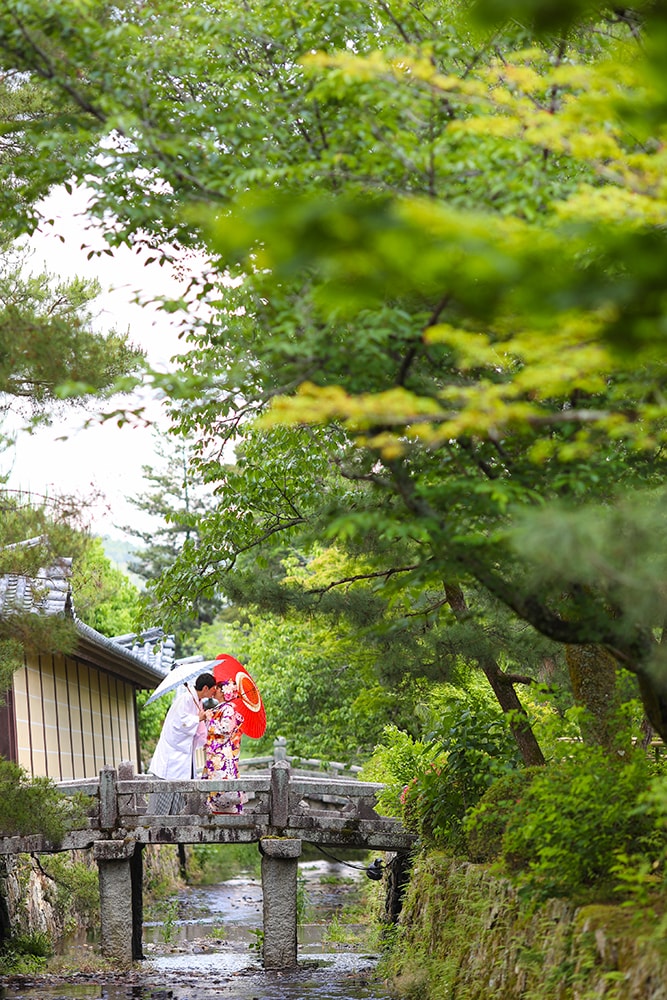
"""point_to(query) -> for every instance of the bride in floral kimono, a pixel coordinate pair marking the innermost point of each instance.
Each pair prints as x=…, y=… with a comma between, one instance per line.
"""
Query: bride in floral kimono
x=222, y=748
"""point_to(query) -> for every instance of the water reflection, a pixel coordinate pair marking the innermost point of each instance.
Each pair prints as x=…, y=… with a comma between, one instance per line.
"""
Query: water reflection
x=330, y=977
x=230, y=911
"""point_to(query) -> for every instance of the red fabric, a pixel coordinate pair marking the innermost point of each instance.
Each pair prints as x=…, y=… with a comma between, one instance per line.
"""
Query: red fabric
x=249, y=702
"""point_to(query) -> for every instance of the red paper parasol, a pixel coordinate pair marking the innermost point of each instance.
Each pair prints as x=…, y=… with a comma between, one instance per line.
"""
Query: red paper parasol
x=249, y=701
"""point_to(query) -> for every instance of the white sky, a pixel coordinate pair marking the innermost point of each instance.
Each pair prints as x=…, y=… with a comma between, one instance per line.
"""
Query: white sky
x=102, y=457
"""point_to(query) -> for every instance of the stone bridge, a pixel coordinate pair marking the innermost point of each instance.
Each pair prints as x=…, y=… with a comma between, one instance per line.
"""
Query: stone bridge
x=283, y=811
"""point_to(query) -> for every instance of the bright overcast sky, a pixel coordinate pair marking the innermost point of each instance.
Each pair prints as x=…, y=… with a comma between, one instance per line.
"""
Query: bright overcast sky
x=99, y=458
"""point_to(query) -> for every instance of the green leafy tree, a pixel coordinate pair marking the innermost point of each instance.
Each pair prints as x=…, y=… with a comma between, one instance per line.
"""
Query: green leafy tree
x=578, y=823
x=175, y=501
x=29, y=115
x=34, y=805
x=449, y=252
x=172, y=502
x=104, y=597
x=150, y=719
x=320, y=682
x=33, y=536
x=51, y=356
x=49, y=348
x=496, y=348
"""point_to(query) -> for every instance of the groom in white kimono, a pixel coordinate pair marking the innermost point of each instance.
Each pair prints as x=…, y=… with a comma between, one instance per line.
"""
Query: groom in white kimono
x=184, y=730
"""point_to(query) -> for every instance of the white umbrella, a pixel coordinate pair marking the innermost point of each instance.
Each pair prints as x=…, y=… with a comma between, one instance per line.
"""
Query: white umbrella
x=181, y=674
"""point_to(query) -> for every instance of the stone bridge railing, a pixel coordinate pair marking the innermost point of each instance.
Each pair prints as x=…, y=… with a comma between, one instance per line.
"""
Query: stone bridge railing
x=311, y=766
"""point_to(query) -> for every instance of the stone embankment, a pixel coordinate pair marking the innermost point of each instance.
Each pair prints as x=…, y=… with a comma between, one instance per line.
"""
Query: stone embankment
x=66, y=898
x=467, y=934
x=31, y=902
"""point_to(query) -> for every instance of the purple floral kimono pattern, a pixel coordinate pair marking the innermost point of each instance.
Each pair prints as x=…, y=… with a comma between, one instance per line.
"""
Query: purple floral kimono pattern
x=222, y=748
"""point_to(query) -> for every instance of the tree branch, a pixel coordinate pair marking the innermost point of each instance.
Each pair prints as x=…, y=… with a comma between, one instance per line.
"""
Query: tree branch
x=384, y=574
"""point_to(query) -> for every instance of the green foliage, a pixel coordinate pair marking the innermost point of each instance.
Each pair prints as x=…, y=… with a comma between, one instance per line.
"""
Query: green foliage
x=576, y=818
x=446, y=307
x=552, y=714
x=655, y=797
x=472, y=751
x=25, y=954
x=11, y=658
x=216, y=863
x=319, y=684
x=484, y=825
x=161, y=875
x=395, y=762
x=301, y=900
x=639, y=875
x=77, y=888
x=623, y=541
x=462, y=929
x=168, y=915
x=36, y=535
x=438, y=285
x=37, y=944
x=433, y=784
x=176, y=499
x=49, y=528
x=34, y=805
x=149, y=721
x=105, y=598
x=257, y=945
x=49, y=349
x=426, y=276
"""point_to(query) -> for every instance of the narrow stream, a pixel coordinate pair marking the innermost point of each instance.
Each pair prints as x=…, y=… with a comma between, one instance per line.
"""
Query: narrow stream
x=207, y=944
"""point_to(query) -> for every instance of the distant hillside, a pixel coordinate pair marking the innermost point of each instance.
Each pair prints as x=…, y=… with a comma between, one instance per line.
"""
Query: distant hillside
x=121, y=551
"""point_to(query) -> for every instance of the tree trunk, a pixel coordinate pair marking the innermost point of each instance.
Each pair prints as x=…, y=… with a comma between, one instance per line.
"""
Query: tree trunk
x=653, y=692
x=632, y=648
x=592, y=672
x=503, y=688
x=654, y=701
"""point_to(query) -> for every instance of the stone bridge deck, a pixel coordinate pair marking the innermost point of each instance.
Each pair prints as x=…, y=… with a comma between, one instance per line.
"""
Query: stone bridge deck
x=283, y=811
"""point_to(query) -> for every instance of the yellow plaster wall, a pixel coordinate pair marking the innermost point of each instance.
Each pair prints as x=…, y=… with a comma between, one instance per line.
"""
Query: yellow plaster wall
x=72, y=718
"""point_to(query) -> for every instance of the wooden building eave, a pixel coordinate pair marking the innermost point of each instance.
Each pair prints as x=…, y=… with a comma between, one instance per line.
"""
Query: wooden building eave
x=98, y=649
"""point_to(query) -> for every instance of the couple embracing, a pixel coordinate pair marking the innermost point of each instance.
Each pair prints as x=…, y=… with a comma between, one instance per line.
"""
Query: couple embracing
x=190, y=725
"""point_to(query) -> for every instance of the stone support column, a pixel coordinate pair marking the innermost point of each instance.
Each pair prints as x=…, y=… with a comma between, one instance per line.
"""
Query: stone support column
x=279, y=885
x=5, y=922
x=136, y=877
x=126, y=773
x=116, y=930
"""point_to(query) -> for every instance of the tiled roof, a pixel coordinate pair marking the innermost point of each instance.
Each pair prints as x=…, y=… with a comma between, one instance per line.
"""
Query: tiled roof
x=50, y=593
x=153, y=647
x=154, y=658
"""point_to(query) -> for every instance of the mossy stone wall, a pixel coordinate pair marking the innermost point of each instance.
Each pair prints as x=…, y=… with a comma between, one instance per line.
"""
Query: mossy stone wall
x=465, y=935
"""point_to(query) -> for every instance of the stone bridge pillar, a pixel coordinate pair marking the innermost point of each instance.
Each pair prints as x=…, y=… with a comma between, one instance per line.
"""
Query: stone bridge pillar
x=126, y=773
x=279, y=885
x=116, y=931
